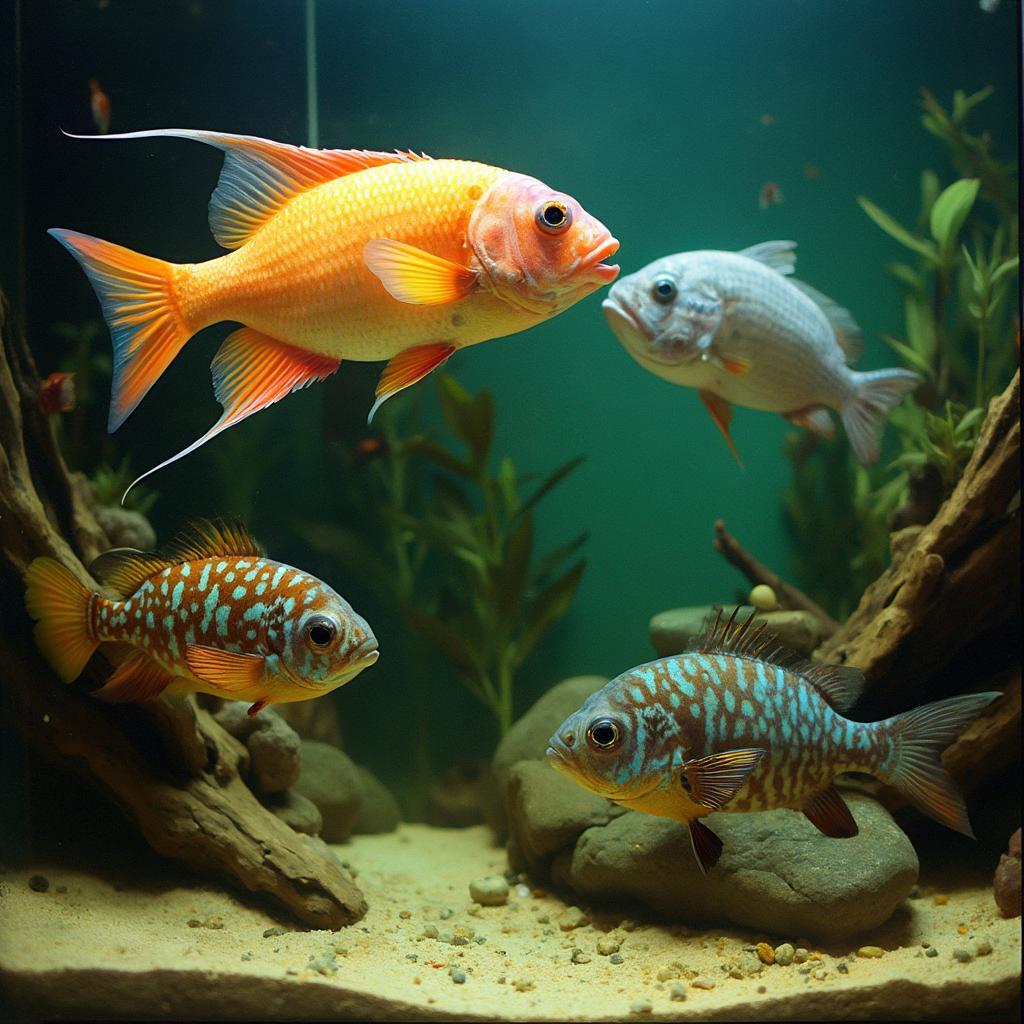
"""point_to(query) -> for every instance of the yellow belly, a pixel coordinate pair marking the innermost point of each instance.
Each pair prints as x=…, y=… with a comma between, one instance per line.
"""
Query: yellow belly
x=302, y=278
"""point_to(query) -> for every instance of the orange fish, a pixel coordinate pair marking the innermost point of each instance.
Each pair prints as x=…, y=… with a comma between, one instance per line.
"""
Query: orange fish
x=57, y=393
x=812, y=172
x=770, y=195
x=343, y=254
x=99, y=101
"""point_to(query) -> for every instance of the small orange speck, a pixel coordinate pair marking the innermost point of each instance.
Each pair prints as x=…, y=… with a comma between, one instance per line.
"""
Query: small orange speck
x=814, y=956
x=940, y=899
x=417, y=980
x=962, y=929
x=474, y=192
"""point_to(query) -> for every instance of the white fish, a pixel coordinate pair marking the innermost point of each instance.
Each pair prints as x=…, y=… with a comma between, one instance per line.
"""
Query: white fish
x=734, y=327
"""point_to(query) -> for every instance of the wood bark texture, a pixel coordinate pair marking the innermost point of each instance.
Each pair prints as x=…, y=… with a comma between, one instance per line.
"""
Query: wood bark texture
x=168, y=764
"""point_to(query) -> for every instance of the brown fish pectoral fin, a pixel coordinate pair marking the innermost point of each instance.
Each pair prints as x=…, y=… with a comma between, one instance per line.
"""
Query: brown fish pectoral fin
x=407, y=368
x=714, y=780
x=225, y=669
x=828, y=813
x=721, y=413
x=412, y=275
x=138, y=678
x=250, y=372
x=707, y=847
x=814, y=418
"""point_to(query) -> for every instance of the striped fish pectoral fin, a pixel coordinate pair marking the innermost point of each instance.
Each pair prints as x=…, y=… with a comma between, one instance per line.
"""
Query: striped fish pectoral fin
x=714, y=780
x=138, y=678
x=707, y=847
x=828, y=813
x=721, y=413
x=407, y=368
x=250, y=372
x=226, y=670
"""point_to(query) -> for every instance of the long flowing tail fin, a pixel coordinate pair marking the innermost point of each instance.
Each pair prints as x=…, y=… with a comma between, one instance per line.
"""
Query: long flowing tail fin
x=865, y=412
x=59, y=602
x=917, y=740
x=136, y=293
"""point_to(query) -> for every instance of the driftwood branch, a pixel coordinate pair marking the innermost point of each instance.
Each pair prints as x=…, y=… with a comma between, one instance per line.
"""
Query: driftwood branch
x=789, y=597
x=168, y=764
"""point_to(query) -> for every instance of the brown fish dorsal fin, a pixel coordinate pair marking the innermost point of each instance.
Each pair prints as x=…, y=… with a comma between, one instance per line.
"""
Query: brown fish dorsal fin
x=260, y=176
x=226, y=670
x=714, y=780
x=126, y=569
x=840, y=685
x=138, y=678
x=707, y=847
x=828, y=813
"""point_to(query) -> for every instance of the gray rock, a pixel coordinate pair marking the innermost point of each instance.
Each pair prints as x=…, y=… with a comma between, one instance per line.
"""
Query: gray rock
x=125, y=528
x=274, y=754
x=528, y=739
x=379, y=811
x=233, y=717
x=674, y=630
x=332, y=782
x=777, y=873
x=296, y=811
x=547, y=813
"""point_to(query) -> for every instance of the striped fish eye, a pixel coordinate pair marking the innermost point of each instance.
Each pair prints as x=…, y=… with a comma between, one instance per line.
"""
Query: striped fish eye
x=604, y=734
x=553, y=216
x=320, y=632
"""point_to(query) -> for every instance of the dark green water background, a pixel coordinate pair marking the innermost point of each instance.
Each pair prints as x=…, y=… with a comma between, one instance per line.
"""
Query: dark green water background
x=650, y=113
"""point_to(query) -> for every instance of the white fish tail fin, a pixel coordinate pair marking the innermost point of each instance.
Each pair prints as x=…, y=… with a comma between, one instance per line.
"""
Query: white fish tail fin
x=916, y=741
x=875, y=395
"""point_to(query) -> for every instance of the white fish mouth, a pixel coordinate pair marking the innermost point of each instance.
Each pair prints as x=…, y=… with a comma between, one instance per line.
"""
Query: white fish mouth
x=635, y=339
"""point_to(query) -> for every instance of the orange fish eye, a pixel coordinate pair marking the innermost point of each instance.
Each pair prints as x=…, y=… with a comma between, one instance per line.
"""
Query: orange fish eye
x=604, y=734
x=553, y=216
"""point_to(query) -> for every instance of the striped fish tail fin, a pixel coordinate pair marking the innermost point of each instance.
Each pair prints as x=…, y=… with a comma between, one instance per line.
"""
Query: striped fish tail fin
x=916, y=740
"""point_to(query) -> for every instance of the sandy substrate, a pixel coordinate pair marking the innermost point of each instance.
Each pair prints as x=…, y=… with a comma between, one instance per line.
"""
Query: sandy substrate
x=147, y=941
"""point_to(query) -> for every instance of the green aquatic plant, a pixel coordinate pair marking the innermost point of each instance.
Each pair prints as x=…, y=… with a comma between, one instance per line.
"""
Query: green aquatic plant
x=109, y=483
x=957, y=332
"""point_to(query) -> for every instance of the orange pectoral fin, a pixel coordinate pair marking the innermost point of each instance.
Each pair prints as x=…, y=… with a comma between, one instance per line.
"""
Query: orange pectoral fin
x=224, y=669
x=814, y=418
x=137, y=679
x=736, y=364
x=250, y=372
x=721, y=413
x=407, y=368
x=412, y=275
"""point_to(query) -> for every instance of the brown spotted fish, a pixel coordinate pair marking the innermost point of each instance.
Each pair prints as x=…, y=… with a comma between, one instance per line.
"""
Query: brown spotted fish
x=209, y=614
x=736, y=724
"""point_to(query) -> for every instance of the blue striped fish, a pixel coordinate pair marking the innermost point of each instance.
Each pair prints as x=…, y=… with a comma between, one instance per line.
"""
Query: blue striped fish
x=738, y=724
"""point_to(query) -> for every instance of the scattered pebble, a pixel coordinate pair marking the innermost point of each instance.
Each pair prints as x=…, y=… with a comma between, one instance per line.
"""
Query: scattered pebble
x=247, y=955
x=269, y=933
x=870, y=952
x=670, y=971
x=522, y=984
x=579, y=957
x=446, y=913
x=489, y=891
x=458, y=977
x=799, y=955
x=915, y=893
x=963, y=955
x=983, y=948
x=430, y=931
x=573, y=918
x=39, y=883
x=940, y=899
x=678, y=991
x=761, y=989
x=324, y=963
x=931, y=951
x=842, y=968
x=405, y=914
x=616, y=958
x=291, y=971
x=411, y=957
x=784, y=954
x=704, y=983
x=820, y=974
x=62, y=889
x=763, y=598
x=765, y=951
x=628, y=924
x=215, y=921
x=522, y=891
x=641, y=1006
x=608, y=944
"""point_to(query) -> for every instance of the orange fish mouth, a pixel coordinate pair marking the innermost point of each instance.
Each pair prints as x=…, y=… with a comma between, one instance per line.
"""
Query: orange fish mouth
x=596, y=269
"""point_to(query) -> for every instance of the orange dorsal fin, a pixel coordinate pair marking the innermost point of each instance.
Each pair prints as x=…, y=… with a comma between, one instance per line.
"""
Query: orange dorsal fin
x=250, y=372
x=137, y=679
x=408, y=367
x=260, y=176
x=721, y=413
x=126, y=569
x=226, y=670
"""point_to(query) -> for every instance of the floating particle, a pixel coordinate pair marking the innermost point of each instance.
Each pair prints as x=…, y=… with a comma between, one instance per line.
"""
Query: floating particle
x=489, y=891
x=784, y=954
x=871, y=952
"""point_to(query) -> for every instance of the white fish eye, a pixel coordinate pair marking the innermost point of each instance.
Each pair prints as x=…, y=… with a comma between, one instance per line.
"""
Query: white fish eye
x=604, y=734
x=553, y=216
x=320, y=632
x=664, y=290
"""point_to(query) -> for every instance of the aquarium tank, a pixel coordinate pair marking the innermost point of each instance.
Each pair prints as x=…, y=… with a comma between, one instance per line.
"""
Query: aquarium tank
x=510, y=512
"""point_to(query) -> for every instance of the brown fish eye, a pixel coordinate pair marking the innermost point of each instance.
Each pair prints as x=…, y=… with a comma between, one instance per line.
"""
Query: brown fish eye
x=554, y=216
x=604, y=734
x=320, y=632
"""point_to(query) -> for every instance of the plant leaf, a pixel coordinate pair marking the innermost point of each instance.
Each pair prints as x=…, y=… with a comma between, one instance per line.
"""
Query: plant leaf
x=1003, y=269
x=895, y=230
x=507, y=486
x=549, y=606
x=451, y=641
x=552, y=481
x=442, y=456
x=920, y=327
x=950, y=211
x=912, y=358
x=929, y=193
x=551, y=561
x=907, y=275
x=510, y=576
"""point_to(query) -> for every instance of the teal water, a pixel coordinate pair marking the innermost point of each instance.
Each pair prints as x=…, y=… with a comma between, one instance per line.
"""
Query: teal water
x=651, y=114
